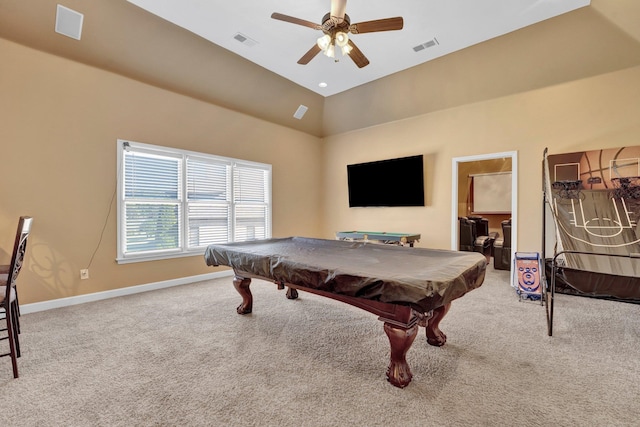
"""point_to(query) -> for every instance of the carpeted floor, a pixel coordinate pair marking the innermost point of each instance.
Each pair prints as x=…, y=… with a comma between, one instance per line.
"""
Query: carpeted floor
x=182, y=357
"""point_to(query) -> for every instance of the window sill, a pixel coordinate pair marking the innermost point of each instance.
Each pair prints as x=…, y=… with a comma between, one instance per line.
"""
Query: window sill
x=157, y=257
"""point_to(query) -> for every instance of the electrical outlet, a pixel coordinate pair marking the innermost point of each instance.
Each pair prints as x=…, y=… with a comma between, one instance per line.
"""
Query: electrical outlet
x=84, y=274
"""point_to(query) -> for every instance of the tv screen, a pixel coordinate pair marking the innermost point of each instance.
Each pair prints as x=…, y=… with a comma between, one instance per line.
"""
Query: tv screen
x=393, y=182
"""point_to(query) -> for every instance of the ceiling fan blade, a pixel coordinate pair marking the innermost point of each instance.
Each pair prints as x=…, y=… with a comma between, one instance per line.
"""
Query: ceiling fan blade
x=309, y=55
x=388, y=24
x=338, y=9
x=298, y=21
x=357, y=56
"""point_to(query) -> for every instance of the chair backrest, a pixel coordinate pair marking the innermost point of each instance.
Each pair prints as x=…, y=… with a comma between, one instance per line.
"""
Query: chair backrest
x=19, y=248
x=506, y=232
x=482, y=225
x=467, y=233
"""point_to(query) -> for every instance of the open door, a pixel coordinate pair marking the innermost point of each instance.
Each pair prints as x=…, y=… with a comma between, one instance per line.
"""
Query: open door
x=457, y=162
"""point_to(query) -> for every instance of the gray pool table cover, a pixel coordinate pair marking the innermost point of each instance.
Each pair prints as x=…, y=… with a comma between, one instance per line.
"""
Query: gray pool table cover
x=422, y=278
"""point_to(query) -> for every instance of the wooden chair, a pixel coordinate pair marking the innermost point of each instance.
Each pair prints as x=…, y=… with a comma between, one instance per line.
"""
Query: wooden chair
x=4, y=269
x=8, y=294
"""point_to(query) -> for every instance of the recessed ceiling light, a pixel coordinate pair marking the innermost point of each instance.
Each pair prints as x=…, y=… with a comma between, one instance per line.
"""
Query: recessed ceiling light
x=322, y=84
x=300, y=111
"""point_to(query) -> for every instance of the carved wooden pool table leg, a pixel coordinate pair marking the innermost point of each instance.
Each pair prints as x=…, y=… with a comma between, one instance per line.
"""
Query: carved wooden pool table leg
x=292, y=293
x=434, y=335
x=400, y=338
x=242, y=286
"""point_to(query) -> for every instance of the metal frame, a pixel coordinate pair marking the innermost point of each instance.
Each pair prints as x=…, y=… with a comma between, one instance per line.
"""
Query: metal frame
x=554, y=267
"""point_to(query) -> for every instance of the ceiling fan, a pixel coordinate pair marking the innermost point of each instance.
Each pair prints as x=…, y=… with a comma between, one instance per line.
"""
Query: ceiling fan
x=336, y=25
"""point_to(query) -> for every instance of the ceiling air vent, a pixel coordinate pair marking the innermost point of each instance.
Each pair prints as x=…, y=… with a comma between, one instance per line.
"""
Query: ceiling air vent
x=249, y=42
x=69, y=22
x=426, y=45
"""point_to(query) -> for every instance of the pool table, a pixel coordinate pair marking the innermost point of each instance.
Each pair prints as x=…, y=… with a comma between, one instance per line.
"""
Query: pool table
x=405, y=287
x=379, y=236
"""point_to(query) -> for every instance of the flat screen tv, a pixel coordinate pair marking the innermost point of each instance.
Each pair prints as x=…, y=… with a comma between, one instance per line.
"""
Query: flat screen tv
x=393, y=182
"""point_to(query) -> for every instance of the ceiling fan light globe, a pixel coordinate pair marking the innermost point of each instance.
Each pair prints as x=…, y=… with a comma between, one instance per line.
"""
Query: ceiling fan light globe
x=324, y=42
x=330, y=52
x=342, y=39
x=346, y=49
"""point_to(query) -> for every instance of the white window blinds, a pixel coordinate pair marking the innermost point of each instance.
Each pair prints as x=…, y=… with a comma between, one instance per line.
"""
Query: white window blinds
x=251, y=201
x=208, y=202
x=151, y=202
x=173, y=202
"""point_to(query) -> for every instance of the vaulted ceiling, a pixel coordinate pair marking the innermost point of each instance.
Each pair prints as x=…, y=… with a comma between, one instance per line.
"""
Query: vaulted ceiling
x=429, y=29
x=123, y=38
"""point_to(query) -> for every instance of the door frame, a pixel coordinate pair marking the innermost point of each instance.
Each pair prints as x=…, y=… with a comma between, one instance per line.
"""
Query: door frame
x=514, y=195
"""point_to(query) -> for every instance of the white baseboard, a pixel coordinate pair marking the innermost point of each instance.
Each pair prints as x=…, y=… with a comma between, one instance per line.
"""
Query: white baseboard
x=97, y=296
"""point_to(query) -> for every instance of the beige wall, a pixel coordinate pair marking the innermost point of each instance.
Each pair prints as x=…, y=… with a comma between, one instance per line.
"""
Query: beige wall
x=59, y=121
x=575, y=45
x=602, y=111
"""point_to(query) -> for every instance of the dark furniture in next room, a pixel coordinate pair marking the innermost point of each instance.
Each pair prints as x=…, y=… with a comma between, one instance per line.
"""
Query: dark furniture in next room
x=482, y=228
x=471, y=240
x=502, y=248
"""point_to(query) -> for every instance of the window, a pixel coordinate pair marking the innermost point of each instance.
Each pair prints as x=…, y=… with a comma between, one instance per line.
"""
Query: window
x=174, y=203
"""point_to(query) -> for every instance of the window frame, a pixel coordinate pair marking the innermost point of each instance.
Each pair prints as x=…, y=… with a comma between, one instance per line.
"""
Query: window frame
x=183, y=201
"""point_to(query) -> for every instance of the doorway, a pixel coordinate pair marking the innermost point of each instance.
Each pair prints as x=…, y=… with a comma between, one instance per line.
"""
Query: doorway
x=456, y=164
